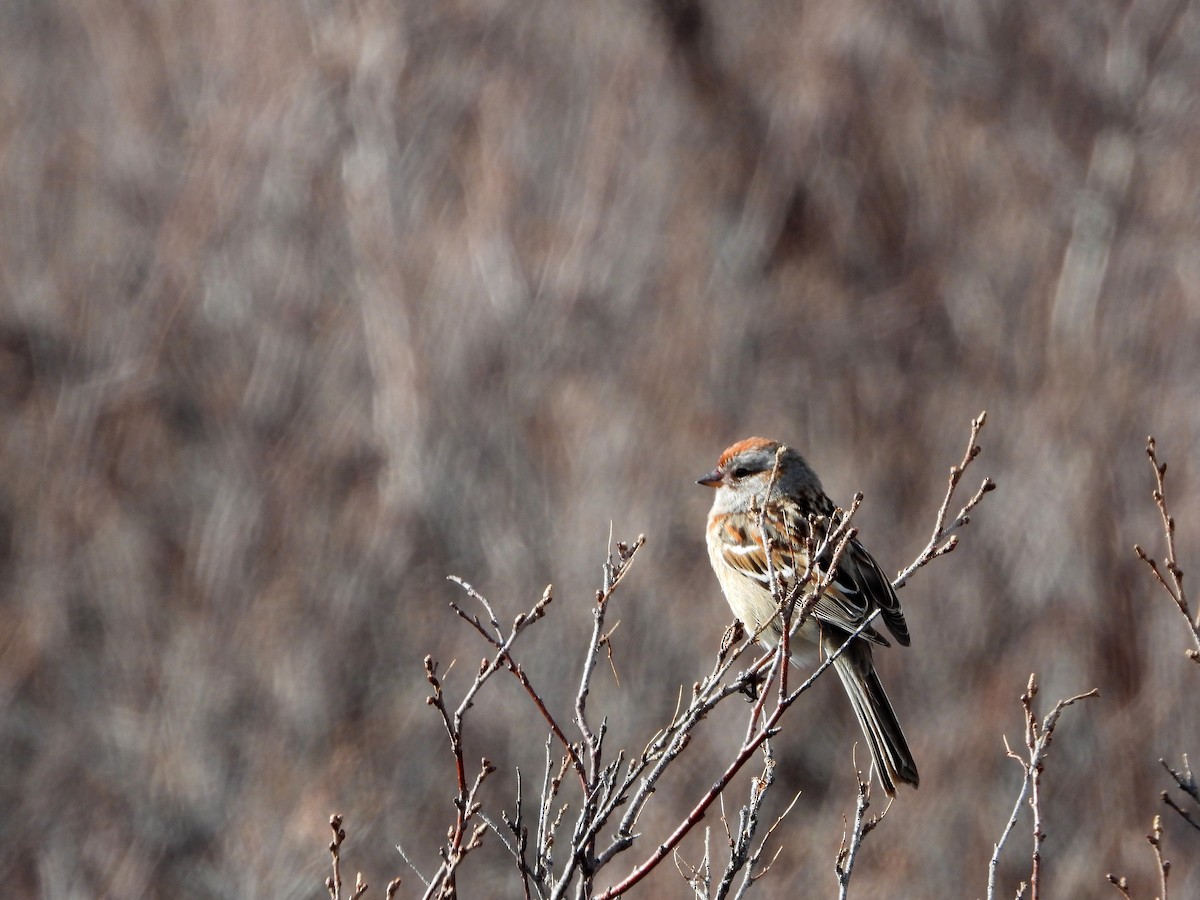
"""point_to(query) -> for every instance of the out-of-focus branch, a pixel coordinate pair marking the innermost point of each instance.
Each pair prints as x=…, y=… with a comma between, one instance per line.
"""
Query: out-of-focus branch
x=943, y=540
x=1037, y=745
x=1174, y=588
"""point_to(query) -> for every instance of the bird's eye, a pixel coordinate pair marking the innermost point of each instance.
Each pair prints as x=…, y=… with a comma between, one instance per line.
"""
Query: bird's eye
x=741, y=472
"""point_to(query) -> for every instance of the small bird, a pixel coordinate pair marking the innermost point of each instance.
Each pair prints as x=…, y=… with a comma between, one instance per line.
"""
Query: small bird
x=858, y=588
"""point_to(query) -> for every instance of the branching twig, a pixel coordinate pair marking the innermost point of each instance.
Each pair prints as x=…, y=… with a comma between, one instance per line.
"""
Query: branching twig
x=1186, y=782
x=938, y=544
x=744, y=856
x=750, y=876
x=768, y=729
x=462, y=837
x=1037, y=745
x=496, y=640
x=852, y=839
x=1174, y=588
x=699, y=877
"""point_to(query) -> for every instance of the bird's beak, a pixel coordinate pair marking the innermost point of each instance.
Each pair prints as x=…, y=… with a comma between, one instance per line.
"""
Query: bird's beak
x=712, y=479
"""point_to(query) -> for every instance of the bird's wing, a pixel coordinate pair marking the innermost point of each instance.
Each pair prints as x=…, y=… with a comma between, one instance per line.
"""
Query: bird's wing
x=859, y=574
x=848, y=600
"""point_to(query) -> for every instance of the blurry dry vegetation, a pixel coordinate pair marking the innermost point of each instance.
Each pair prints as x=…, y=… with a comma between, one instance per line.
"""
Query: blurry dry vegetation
x=307, y=305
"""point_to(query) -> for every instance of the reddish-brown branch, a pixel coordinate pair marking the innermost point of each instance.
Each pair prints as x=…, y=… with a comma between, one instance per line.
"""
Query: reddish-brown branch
x=697, y=813
x=504, y=658
x=515, y=668
x=769, y=728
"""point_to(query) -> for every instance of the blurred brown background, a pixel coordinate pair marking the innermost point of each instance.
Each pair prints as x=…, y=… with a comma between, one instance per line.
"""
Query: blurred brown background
x=306, y=305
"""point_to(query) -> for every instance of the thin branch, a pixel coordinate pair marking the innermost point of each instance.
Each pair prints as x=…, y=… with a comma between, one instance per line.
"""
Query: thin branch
x=1121, y=883
x=613, y=574
x=334, y=882
x=408, y=862
x=852, y=841
x=462, y=837
x=1162, y=865
x=515, y=825
x=537, y=612
x=1037, y=744
x=699, y=877
x=942, y=540
x=1174, y=589
x=744, y=857
x=1008, y=828
x=769, y=728
x=1186, y=782
x=750, y=876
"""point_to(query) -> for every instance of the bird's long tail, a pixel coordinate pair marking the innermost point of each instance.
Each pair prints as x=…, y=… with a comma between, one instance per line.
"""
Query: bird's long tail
x=893, y=760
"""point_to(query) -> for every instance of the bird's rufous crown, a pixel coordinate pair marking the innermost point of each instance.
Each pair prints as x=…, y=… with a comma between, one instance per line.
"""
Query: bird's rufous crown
x=750, y=443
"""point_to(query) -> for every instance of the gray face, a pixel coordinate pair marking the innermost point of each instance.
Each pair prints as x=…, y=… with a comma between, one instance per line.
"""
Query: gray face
x=751, y=462
x=744, y=473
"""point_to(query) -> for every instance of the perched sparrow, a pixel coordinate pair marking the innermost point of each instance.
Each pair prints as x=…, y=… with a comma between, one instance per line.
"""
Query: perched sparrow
x=735, y=547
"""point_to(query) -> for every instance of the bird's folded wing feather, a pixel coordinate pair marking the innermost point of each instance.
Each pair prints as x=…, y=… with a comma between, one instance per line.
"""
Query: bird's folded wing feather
x=858, y=585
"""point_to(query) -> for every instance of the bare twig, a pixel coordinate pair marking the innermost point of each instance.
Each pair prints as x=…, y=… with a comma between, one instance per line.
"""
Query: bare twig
x=1174, y=588
x=750, y=876
x=1186, y=782
x=537, y=612
x=744, y=856
x=852, y=839
x=1121, y=883
x=515, y=827
x=1037, y=744
x=698, y=877
x=768, y=728
x=463, y=836
x=943, y=541
x=1163, y=865
x=334, y=882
